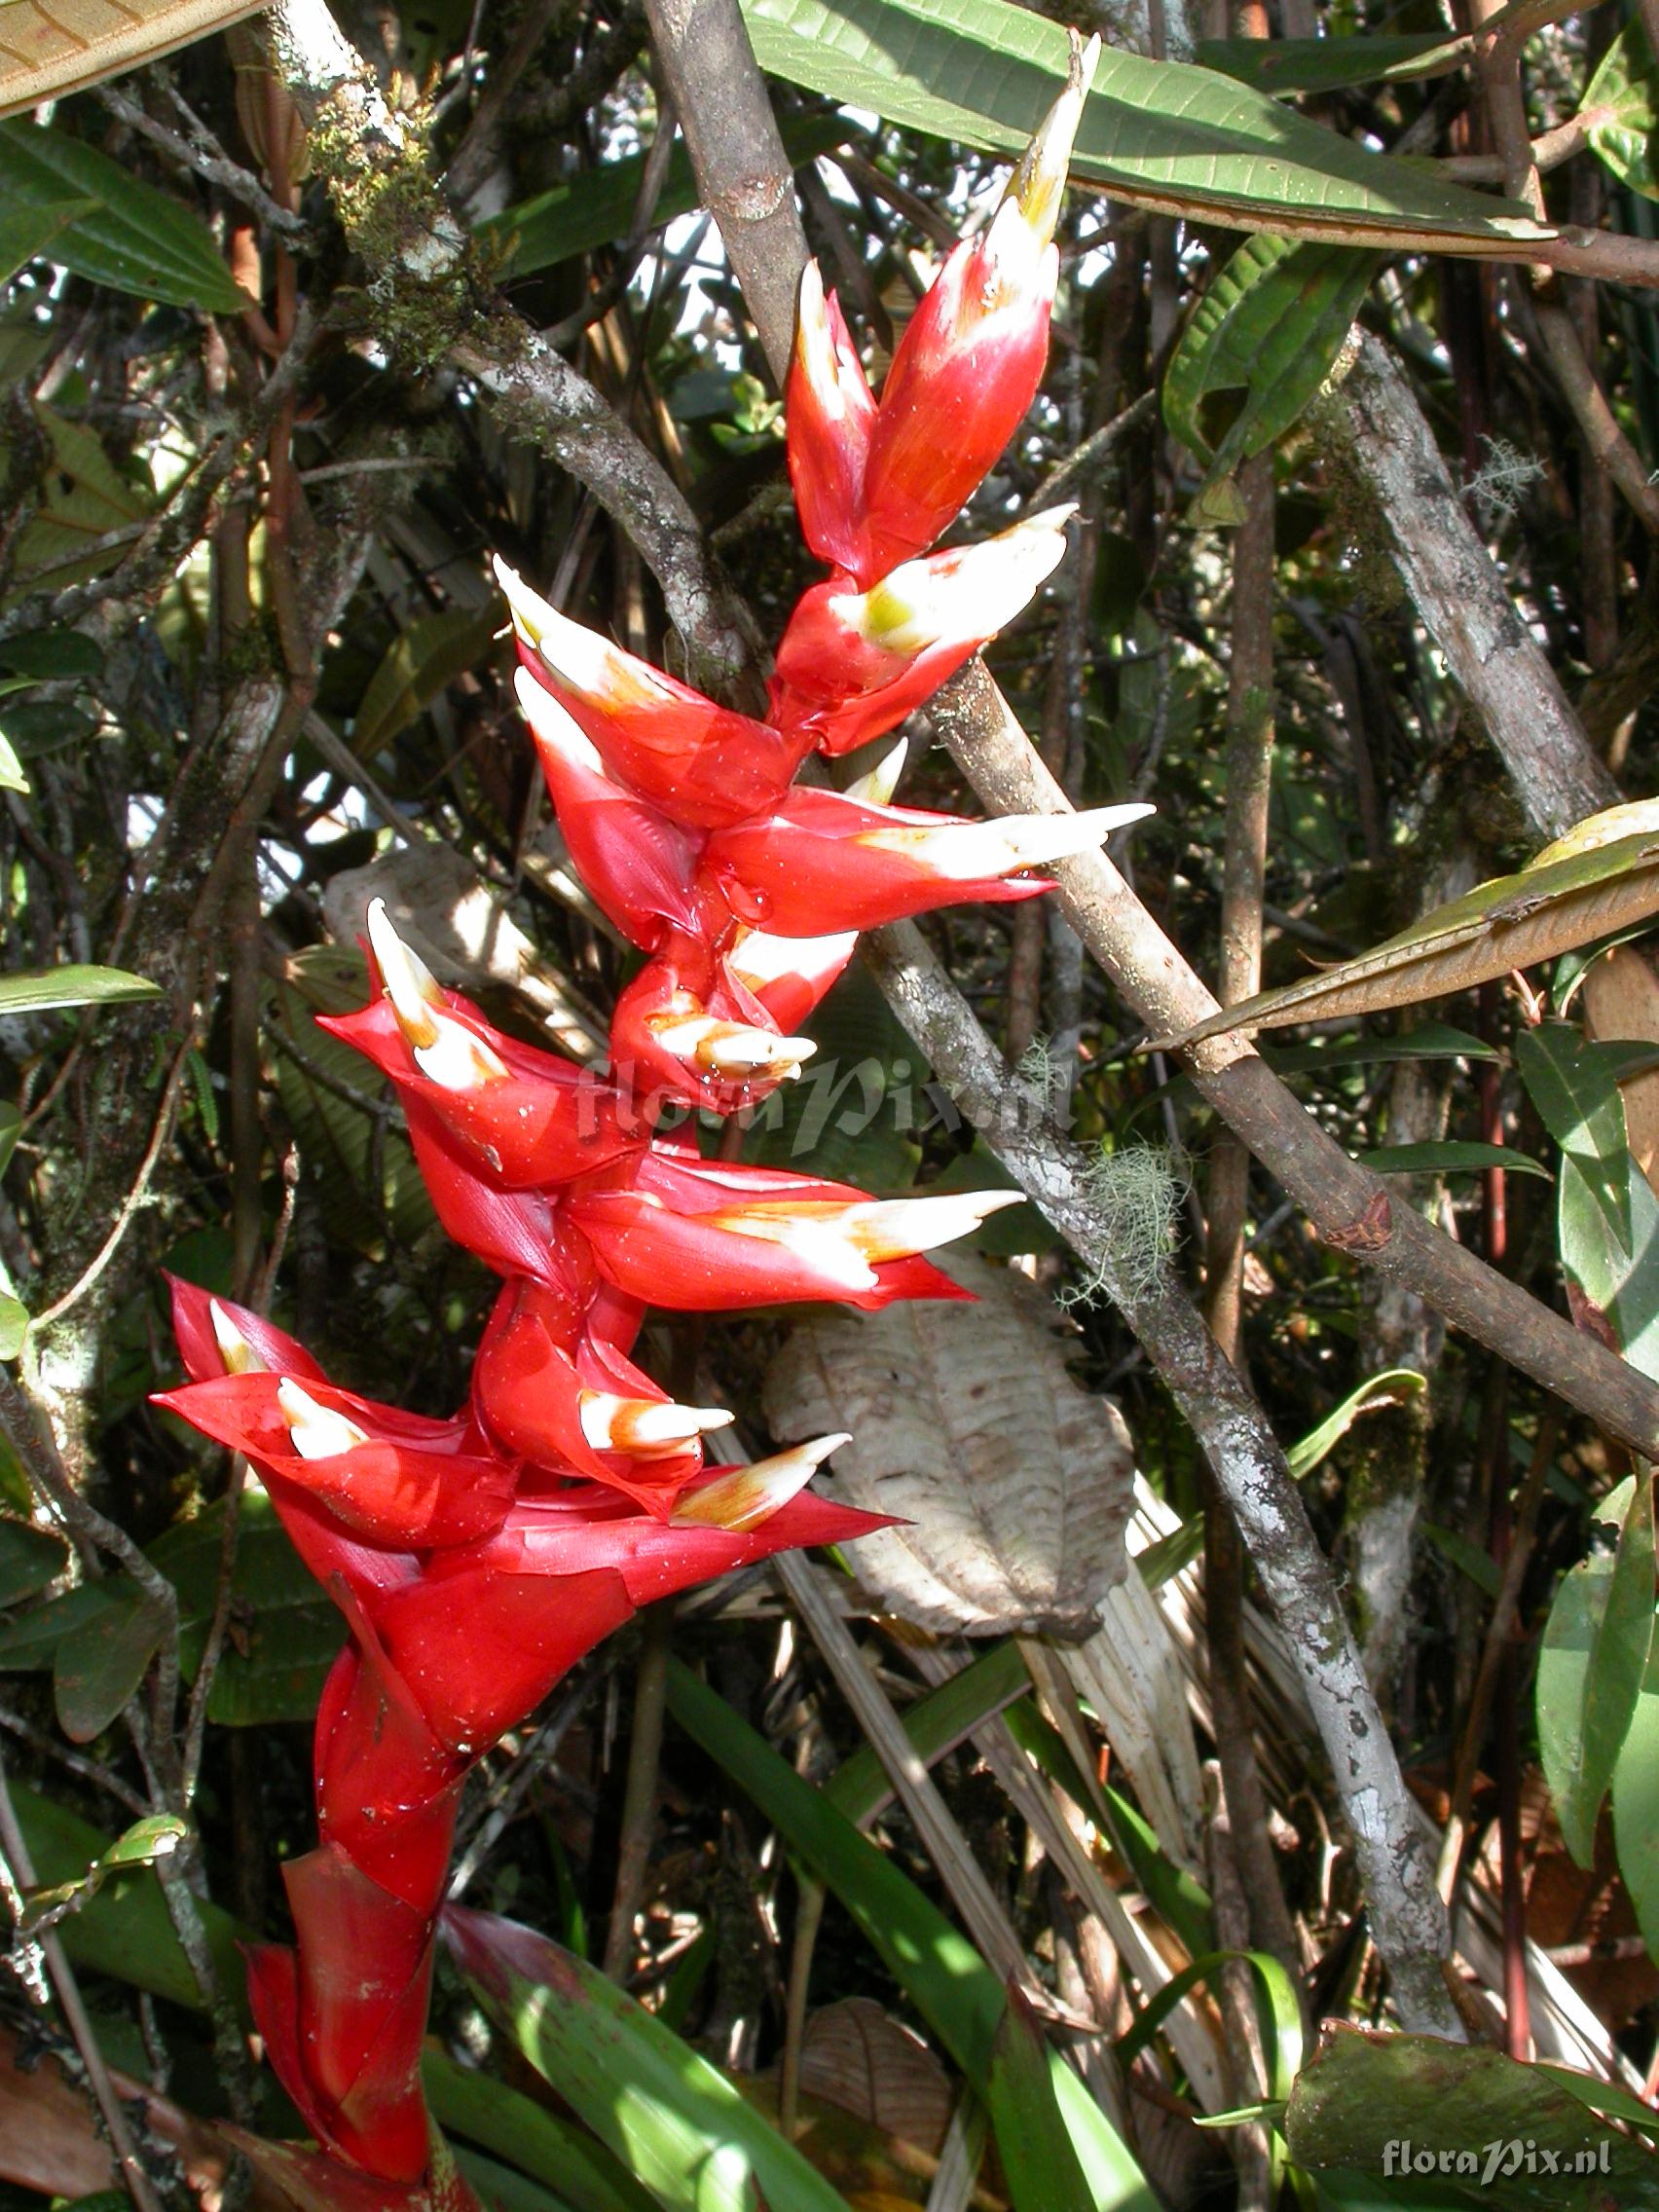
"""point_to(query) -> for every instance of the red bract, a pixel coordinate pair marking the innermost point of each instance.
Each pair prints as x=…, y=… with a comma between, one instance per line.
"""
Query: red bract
x=477, y=1560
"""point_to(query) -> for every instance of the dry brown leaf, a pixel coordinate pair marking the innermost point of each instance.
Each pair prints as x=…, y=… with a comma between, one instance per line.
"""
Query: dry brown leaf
x=47, y=51
x=855, y=2055
x=965, y=1423
x=1514, y=921
x=1621, y=1000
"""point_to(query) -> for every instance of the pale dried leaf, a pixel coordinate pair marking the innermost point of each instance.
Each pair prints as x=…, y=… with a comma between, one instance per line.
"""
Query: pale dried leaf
x=1016, y=1484
x=855, y=2055
x=1514, y=921
x=46, y=53
x=442, y=907
x=1130, y=1675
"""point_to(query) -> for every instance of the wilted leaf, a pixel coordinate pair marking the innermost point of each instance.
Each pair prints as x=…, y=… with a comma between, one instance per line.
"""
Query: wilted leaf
x=1019, y=1485
x=1591, y=1665
x=1512, y=922
x=1621, y=1001
x=1363, y=2091
x=856, y=2055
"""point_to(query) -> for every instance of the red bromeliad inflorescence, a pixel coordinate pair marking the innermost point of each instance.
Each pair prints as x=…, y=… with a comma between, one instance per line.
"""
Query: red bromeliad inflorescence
x=476, y=1559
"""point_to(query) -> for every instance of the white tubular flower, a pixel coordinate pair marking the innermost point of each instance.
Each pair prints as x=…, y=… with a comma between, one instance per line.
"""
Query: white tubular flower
x=967, y=851
x=646, y=1429
x=318, y=1433
x=444, y=1049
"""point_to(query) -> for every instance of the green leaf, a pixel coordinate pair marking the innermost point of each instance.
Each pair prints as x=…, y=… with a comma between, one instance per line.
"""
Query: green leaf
x=1277, y=2008
x=134, y=238
x=157, y=1836
x=89, y=513
x=29, y=1559
x=1468, y=1558
x=1327, y=64
x=667, y=2114
x=1423, y=1041
x=1607, y=1217
x=1621, y=104
x=1391, y=1386
x=854, y=1115
x=1363, y=2092
x=1591, y=1665
x=415, y=667
x=1561, y=899
x=1452, y=1155
x=1636, y=1809
x=27, y=226
x=1038, y=2160
x=934, y=1724
x=597, y=209
x=14, y=1325
x=942, y=1974
x=1270, y=326
x=45, y=987
x=534, y=2139
x=983, y=72
x=51, y=656
x=99, y=1666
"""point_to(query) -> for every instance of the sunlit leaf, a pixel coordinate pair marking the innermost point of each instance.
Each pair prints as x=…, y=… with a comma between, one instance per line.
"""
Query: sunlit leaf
x=1621, y=108
x=1326, y=65
x=47, y=52
x=72, y=986
x=1393, y=1386
x=982, y=72
x=1448, y=1155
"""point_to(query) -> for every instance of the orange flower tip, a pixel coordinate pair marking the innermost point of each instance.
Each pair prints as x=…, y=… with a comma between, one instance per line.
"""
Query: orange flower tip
x=576, y=656
x=760, y=958
x=877, y=784
x=237, y=1354
x=554, y=726
x=316, y=1432
x=444, y=1049
x=744, y=1497
x=965, y=852
x=1037, y=184
x=894, y=1228
x=734, y=1050
x=646, y=1429
x=972, y=593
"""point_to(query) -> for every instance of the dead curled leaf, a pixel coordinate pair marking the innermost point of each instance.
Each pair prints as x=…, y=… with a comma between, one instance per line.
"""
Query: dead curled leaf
x=1589, y=890
x=1015, y=1484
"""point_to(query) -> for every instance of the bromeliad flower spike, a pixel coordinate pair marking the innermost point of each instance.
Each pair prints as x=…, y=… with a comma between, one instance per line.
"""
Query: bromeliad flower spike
x=476, y=1559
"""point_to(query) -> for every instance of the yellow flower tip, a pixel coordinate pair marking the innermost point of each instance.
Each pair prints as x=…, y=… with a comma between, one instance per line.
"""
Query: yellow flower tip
x=237, y=1354
x=744, y=1497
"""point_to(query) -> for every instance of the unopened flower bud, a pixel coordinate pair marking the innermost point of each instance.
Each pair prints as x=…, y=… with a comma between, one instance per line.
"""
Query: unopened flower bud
x=743, y=1497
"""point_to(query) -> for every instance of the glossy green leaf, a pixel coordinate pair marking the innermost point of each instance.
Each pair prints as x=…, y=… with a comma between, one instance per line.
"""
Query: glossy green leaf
x=48, y=987
x=415, y=667
x=29, y=1559
x=945, y=1978
x=1621, y=106
x=1038, y=2162
x=1271, y=327
x=1561, y=900
x=1327, y=64
x=1449, y=1155
x=53, y=656
x=14, y=1325
x=1423, y=1041
x=134, y=238
x=28, y=227
x=946, y=1716
x=538, y=2142
x=983, y=72
x=1636, y=1808
x=1363, y=2091
x=597, y=207
x=673, y=2119
x=98, y=1667
x=1391, y=1386
x=1592, y=1666
x=1277, y=2010
x=1608, y=1216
